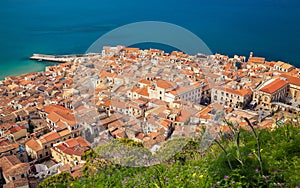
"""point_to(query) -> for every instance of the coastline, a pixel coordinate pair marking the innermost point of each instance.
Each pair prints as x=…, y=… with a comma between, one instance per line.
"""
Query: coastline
x=32, y=65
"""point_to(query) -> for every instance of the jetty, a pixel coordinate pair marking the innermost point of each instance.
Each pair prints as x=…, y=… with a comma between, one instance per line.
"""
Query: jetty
x=60, y=58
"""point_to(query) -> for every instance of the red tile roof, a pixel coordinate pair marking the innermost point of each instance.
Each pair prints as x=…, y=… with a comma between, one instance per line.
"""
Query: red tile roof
x=34, y=145
x=274, y=86
x=164, y=84
x=292, y=80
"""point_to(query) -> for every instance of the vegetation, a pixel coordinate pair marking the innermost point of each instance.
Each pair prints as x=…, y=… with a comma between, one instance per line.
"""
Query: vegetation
x=256, y=158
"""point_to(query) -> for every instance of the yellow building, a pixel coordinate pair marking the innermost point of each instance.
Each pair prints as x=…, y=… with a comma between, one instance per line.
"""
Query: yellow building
x=70, y=151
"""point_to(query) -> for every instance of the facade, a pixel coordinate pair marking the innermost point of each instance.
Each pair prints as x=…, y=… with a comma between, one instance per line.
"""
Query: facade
x=159, y=88
x=191, y=93
x=236, y=98
x=39, y=148
x=273, y=90
x=282, y=66
x=294, y=86
x=70, y=151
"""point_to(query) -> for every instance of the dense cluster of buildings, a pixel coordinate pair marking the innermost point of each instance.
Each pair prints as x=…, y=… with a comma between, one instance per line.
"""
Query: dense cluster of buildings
x=49, y=119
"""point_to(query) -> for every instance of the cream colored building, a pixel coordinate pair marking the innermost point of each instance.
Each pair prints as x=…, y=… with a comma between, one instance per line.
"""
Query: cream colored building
x=236, y=98
x=282, y=66
x=159, y=88
x=294, y=89
x=273, y=90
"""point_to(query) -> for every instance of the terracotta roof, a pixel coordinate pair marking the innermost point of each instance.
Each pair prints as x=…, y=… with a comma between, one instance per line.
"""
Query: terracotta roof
x=274, y=86
x=283, y=65
x=6, y=146
x=144, y=81
x=34, y=145
x=6, y=125
x=107, y=103
x=104, y=74
x=292, y=80
x=131, y=49
x=153, y=134
x=143, y=91
x=164, y=84
x=17, y=129
x=17, y=169
x=64, y=132
x=9, y=161
x=257, y=60
x=73, y=146
x=140, y=136
x=23, y=182
x=165, y=123
x=56, y=113
x=49, y=137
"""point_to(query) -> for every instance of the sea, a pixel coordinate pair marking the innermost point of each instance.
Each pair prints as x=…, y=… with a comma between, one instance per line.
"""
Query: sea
x=269, y=28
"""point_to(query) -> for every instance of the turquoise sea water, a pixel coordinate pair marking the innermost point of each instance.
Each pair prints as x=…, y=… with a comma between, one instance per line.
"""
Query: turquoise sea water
x=270, y=28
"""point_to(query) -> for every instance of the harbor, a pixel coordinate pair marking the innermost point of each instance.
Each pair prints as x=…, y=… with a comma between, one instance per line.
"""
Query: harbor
x=59, y=58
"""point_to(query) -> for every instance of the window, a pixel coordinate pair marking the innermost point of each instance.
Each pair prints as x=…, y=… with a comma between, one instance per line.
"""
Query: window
x=46, y=147
x=160, y=92
x=22, y=176
x=215, y=97
x=41, y=155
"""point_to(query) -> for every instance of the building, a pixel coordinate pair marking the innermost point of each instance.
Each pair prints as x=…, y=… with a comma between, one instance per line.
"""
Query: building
x=282, y=66
x=294, y=86
x=39, y=148
x=59, y=118
x=15, y=172
x=191, y=93
x=70, y=151
x=12, y=131
x=236, y=98
x=17, y=132
x=159, y=88
x=8, y=147
x=274, y=90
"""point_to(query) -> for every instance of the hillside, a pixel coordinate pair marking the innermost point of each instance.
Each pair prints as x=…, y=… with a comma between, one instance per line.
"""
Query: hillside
x=256, y=158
